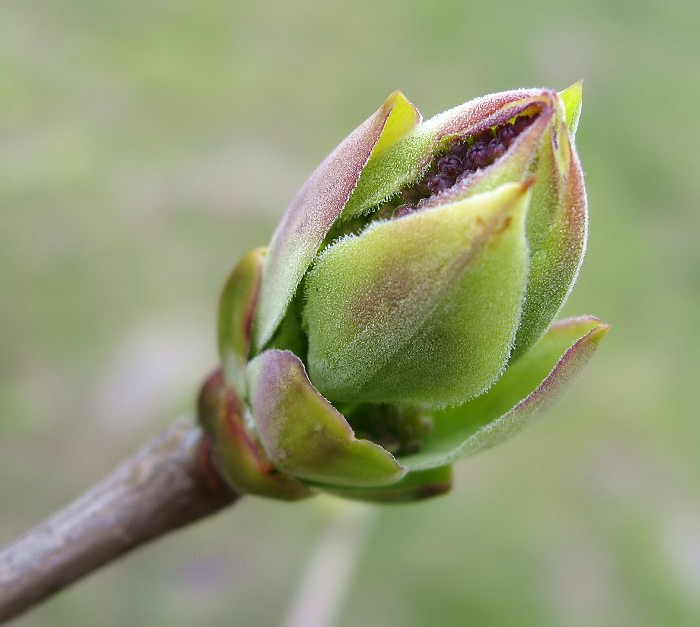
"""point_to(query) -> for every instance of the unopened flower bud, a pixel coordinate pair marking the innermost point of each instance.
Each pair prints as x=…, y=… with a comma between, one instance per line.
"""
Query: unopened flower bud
x=402, y=316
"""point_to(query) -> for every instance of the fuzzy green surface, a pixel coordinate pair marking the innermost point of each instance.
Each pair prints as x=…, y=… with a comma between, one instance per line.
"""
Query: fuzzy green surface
x=236, y=310
x=304, y=435
x=526, y=388
x=421, y=309
x=415, y=486
x=557, y=226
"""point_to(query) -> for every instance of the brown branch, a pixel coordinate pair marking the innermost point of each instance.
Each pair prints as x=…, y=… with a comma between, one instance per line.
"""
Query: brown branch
x=166, y=485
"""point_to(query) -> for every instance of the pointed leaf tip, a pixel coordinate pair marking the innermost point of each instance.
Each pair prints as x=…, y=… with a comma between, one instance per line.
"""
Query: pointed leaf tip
x=572, y=98
x=401, y=119
x=318, y=205
x=415, y=486
x=526, y=388
x=304, y=435
x=554, y=384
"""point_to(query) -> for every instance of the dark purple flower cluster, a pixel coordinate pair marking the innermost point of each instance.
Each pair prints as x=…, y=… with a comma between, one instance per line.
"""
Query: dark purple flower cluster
x=461, y=160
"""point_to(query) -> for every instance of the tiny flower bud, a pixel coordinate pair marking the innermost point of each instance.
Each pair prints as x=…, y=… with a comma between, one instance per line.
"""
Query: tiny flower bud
x=495, y=149
x=450, y=165
x=439, y=183
x=479, y=154
x=507, y=133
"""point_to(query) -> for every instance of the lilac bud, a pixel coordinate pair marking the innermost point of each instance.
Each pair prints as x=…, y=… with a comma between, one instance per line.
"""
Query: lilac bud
x=402, y=316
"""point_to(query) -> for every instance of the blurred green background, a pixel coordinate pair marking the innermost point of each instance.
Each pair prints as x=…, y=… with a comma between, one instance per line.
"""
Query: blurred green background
x=145, y=146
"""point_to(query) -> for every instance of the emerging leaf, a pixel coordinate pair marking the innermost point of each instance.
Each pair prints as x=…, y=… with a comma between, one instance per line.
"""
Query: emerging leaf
x=421, y=309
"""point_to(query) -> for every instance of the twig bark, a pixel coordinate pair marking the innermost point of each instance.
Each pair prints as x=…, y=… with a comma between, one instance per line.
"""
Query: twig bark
x=166, y=485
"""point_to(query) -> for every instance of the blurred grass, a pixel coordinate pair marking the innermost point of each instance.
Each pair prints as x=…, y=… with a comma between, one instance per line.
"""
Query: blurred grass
x=145, y=146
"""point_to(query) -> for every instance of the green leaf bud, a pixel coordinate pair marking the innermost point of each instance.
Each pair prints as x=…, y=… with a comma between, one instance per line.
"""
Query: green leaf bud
x=402, y=316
